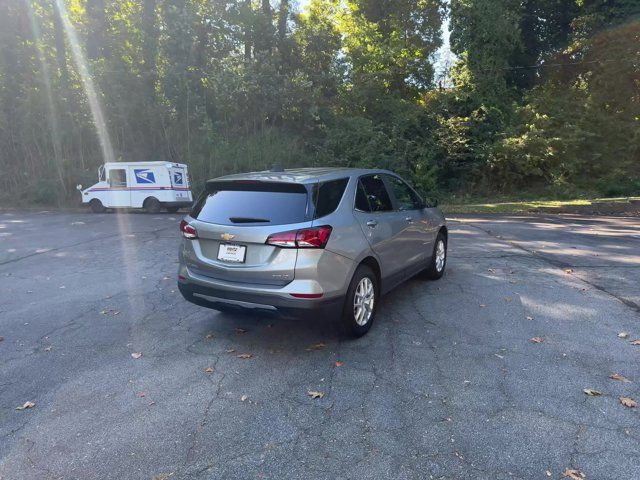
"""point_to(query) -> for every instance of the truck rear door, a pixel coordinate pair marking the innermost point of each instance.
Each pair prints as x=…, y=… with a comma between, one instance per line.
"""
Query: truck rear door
x=180, y=183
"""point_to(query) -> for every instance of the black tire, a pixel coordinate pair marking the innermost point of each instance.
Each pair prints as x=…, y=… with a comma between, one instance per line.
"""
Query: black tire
x=96, y=206
x=152, y=205
x=349, y=322
x=173, y=209
x=435, y=270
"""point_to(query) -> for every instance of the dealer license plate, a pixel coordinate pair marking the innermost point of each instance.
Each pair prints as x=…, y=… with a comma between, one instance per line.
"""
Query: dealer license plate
x=231, y=253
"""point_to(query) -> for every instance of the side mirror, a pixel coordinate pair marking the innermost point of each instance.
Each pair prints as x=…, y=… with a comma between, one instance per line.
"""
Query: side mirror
x=79, y=187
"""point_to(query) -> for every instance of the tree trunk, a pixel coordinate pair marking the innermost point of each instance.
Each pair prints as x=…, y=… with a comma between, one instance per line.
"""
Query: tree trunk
x=247, y=30
x=149, y=47
x=97, y=26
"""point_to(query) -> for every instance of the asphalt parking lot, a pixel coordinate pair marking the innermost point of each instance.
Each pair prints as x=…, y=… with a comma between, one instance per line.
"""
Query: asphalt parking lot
x=446, y=385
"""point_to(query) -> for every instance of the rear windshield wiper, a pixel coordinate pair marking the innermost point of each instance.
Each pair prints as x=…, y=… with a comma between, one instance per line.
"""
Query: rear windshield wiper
x=248, y=220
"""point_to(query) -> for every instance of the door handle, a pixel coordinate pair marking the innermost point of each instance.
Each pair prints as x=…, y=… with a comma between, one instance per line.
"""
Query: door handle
x=372, y=223
x=409, y=219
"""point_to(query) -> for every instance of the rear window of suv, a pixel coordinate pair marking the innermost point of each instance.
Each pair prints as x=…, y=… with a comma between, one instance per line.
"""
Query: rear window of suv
x=252, y=203
x=327, y=196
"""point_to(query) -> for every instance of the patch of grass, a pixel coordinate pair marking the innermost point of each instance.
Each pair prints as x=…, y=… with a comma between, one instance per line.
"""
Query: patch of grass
x=550, y=206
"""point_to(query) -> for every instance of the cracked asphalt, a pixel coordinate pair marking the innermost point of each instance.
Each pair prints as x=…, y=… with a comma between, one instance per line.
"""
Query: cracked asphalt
x=446, y=385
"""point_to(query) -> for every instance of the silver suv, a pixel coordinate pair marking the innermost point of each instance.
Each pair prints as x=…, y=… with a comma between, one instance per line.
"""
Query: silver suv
x=308, y=239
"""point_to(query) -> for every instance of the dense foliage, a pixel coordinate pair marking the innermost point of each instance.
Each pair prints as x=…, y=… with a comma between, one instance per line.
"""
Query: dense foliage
x=544, y=97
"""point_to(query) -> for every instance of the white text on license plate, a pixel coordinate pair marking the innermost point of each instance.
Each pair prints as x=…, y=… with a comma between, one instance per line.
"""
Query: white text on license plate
x=231, y=253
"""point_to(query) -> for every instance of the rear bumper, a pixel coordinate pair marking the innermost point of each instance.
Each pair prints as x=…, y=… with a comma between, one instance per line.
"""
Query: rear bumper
x=209, y=295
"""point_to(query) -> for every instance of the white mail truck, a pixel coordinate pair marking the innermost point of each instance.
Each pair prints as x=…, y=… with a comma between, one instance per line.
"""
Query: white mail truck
x=148, y=185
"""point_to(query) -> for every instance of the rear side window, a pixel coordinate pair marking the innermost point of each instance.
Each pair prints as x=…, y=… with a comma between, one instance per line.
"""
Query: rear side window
x=376, y=193
x=327, y=196
x=252, y=203
x=362, y=203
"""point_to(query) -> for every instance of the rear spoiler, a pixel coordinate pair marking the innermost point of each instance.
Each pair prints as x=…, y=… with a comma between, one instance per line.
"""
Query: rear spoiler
x=255, y=186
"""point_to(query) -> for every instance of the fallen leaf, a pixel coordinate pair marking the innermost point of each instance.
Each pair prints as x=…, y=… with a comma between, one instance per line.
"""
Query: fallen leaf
x=573, y=474
x=548, y=473
x=568, y=270
x=617, y=376
x=529, y=318
x=628, y=402
x=490, y=270
x=209, y=370
x=26, y=405
x=230, y=350
x=635, y=342
x=142, y=394
x=243, y=398
x=339, y=364
x=209, y=336
x=151, y=403
x=162, y=476
x=591, y=392
x=244, y=355
x=317, y=346
x=240, y=330
x=623, y=335
x=537, y=340
x=508, y=299
x=136, y=355
x=47, y=349
x=315, y=394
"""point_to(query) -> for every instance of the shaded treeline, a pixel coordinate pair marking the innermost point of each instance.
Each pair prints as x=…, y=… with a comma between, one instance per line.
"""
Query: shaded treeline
x=544, y=97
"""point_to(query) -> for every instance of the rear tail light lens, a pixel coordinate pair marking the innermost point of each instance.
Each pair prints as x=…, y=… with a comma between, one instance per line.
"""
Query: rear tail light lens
x=284, y=239
x=314, y=237
x=187, y=230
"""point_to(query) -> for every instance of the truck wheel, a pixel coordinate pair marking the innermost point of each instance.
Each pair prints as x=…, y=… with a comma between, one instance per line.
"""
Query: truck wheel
x=173, y=209
x=96, y=206
x=151, y=205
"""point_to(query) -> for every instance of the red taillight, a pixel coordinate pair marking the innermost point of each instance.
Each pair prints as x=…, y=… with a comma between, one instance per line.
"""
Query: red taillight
x=314, y=237
x=306, y=295
x=284, y=239
x=187, y=230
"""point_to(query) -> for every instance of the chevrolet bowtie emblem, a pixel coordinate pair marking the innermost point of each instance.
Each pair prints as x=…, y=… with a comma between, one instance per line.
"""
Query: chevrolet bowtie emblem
x=227, y=236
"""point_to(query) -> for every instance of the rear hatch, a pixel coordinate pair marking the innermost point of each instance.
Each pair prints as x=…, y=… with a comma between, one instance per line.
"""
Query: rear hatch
x=179, y=177
x=234, y=220
x=180, y=183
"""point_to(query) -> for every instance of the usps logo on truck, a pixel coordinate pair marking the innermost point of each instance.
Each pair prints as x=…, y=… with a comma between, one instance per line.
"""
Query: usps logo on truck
x=144, y=176
x=177, y=178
